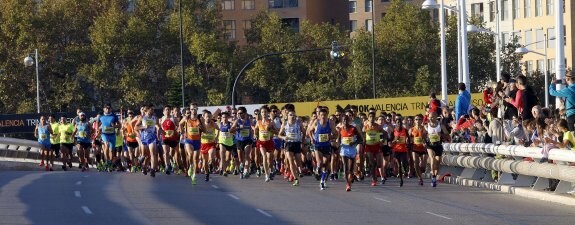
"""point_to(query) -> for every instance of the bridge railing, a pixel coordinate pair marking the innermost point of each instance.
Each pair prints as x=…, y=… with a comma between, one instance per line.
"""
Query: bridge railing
x=19, y=148
x=515, y=165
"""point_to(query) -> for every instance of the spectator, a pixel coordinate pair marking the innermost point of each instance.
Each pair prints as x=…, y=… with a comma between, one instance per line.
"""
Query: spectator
x=515, y=132
x=525, y=98
x=537, y=112
x=462, y=102
x=569, y=94
x=495, y=130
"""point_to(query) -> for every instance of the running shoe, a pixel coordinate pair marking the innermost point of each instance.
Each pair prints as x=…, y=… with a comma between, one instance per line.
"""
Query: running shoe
x=322, y=186
x=258, y=173
x=236, y=172
x=383, y=180
x=241, y=176
x=64, y=167
x=332, y=176
x=348, y=187
x=153, y=173
x=434, y=182
x=374, y=183
x=41, y=164
x=190, y=171
x=194, y=182
x=401, y=183
x=420, y=182
x=145, y=171
x=291, y=178
x=169, y=169
x=207, y=176
x=296, y=183
x=267, y=178
x=47, y=167
x=70, y=165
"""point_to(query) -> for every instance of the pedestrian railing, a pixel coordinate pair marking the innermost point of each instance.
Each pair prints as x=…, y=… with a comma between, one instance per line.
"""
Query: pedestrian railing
x=515, y=165
x=19, y=148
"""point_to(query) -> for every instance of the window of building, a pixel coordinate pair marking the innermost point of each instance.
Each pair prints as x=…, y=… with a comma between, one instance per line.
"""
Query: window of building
x=248, y=4
x=292, y=23
x=228, y=4
x=504, y=10
x=491, y=11
x=505, y=37
x=283, y=3
x=551, y=64
x=538, y=8
x=541, y=65
x=352, y=6
x=352, y=25
x=550, y=35
x=527, y=8
x=540, y=39
x=229, y=29
x=477, y=10
x=516, y=9
x=528, y=39
x=247, y=26
x=368, y=25
x=368, y=5
x=549, y=9
x=528, y=67
x=384, y=0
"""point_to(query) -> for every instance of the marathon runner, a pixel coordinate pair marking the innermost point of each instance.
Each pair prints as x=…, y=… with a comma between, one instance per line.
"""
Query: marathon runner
x=191, y=125
x=244, y=137
x=43, y=132
x=66, y=133
x=418, y=135
x=170, y=137
x=436, y=133
x=372, y=132
x=82, y=132
x=291, y=132
x=349, y=139
x=321, y=133
x=226, y=142
x=265, y=129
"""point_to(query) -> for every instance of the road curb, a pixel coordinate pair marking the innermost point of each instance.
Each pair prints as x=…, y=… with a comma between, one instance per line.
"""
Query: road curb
x=525, y=192
x=13, y=164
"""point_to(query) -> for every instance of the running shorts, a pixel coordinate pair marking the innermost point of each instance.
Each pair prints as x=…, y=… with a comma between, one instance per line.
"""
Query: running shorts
x=229, y=148
x=294, y=147
x=267, y=145
x=243, y=144
x=109, y=139
x=85, y=145
x=386, y=150
x=170, y=143
x=372, y=148
x=45, y=144
x=278, y=143
x=205, y=147
x=325, y=150
x=70, y=146
x=349, y=151
x=152, y=139
x=437, y=149
x=132, y=144
x=196, y=144
x=55, y=148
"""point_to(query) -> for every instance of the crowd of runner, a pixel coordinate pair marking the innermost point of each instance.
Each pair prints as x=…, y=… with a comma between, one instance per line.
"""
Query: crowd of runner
x=344, y=144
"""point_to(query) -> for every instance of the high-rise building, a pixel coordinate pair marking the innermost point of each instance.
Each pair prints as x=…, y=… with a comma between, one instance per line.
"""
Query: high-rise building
x=360, y=13
x=237, y=14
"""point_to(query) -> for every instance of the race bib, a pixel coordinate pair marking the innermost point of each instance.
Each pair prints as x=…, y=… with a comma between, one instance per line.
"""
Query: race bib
x=264, y=135
x=132, y=135
x=82, y=134
x=346, y=140
x=150, y=123
x=194, y=130
x=244, y=133
x=291, y=136
x=371, y=137
x=433, y=138
x=207, y=137
x=401, y=140
x=107, y=130
x=224, y=136
x=323, y=137
x=418, y=140
x=169, y=133
x=43, y=136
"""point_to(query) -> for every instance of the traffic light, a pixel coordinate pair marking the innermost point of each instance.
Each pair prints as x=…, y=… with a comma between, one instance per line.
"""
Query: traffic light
x=335, y=52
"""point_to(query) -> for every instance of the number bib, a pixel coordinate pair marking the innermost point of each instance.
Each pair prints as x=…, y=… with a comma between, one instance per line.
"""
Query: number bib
x=323, y=137
x=194, y=131
x=244, y=133
x=418, y=140
x=264, y=135
x=169, y=133
x=291, y=135
x=371, y=137
x=401, y=140
x=346, y=140
x=107, y=130
x=224, y=136
x=82, y=134
x=150, y=123
x=43, y=136
x=132, y=135
x=434, y=138
x=207, y=137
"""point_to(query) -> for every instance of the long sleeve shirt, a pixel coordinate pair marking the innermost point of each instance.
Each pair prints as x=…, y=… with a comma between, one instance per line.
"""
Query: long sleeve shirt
x=569, y=94
x=518, y=101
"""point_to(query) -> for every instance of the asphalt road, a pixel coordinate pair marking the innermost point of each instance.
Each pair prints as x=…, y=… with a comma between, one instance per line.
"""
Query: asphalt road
x=124, y=198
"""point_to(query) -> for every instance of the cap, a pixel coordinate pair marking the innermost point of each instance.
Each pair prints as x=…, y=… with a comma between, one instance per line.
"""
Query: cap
x=82, y=114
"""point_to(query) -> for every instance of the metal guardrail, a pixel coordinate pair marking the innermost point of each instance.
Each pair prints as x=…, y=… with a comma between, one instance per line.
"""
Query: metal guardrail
x=19, y=148
x=473, y=161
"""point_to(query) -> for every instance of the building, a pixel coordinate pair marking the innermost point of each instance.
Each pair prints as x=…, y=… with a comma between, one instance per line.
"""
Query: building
x=360, y=13
x=531, y=21
x=237, y=14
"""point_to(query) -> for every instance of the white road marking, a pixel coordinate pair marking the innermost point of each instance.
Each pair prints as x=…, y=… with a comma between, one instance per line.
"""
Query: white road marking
x=216, y=187
x=77, y=194
x=87, y=210
x=264, y=213
x=86, y=175
x=444, y=217
x=79, y=183
x=234, y=197
x=381, y=199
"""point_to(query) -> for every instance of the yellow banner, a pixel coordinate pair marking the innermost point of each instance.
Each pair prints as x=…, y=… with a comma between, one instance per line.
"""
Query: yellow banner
x=406, y=106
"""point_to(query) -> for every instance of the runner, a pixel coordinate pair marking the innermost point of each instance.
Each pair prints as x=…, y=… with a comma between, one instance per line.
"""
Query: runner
x=191, y=125
x=291, y=132
x=54, y=140
x=131, y=141
x=83, y=131
x=208, y=142
x=418, y=135
x=244, y=141
x=43, y=132
x=372, y=132
x=399, y=143
x=349, y=138
x=226, y=142
x=436, y=133
x=265, y=129
x=170, y=137
x=97, y=143
x=66, y=131
x=108, y=122
x=149, y=128
x=357, y=122
x=278, y=142
x=321, y=133
x=385, y=149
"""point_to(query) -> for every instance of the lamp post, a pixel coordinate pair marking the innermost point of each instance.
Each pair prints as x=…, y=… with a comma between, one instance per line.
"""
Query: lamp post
x=560, y=47
x=524, y=50
x=373, y=47
x=474, y=29
x=431, y=4
x=182, y=54
x=28, y=61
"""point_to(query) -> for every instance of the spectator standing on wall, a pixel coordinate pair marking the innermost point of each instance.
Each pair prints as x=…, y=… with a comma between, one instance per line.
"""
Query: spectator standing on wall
x=462, y=102
x=569, y=94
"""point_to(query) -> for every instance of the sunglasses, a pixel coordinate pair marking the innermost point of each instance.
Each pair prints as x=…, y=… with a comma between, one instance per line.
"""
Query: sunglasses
x=291, y=115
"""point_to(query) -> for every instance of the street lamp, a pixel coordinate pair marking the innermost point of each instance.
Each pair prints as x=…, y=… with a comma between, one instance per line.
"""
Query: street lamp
x=474, y=29
x=523, y=50
x=182, y=54
x=28, y=61
x=429, y=5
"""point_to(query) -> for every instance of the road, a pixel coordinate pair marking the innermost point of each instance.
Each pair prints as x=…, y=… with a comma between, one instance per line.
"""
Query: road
x=33, y=197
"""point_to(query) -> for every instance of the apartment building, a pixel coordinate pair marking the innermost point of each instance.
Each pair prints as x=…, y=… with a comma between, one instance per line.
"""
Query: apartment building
x=237, y=14
x=360, y=13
